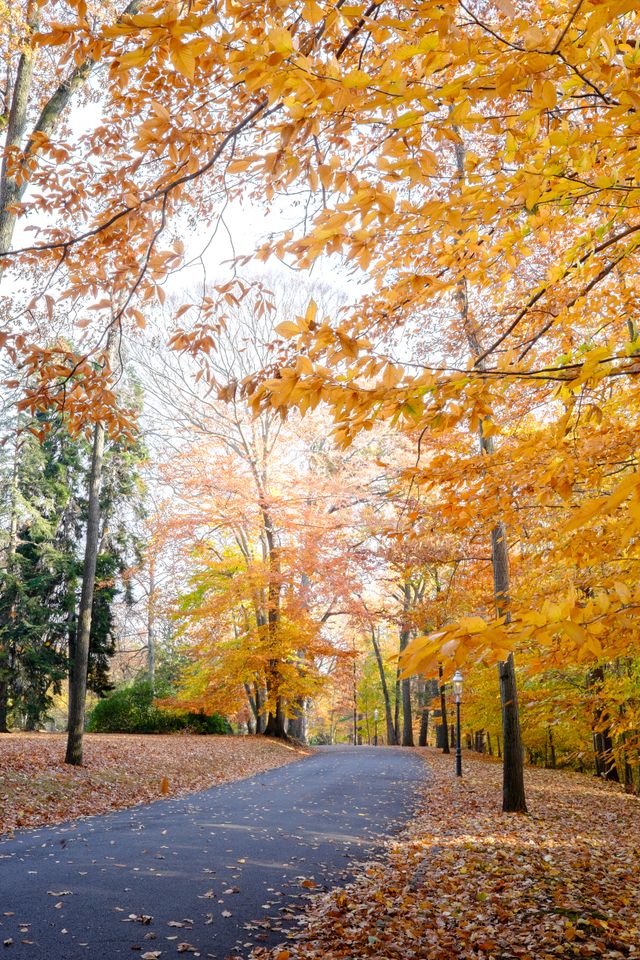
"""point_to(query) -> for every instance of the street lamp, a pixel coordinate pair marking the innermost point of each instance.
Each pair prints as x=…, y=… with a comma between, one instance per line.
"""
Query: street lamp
x=457, y=694
x=375, y=727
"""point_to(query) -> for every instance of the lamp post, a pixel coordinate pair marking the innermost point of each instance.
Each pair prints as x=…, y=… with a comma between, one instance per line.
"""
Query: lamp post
x=375, y=727
x=457, y=694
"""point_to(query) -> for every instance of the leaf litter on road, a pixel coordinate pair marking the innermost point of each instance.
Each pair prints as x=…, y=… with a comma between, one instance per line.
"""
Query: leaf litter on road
x=466, y=881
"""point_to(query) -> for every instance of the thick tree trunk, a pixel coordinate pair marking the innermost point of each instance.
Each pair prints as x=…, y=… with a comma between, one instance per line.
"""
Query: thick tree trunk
x=261, y=717
x=424, y=727
x=605, y=762
x=252, y=724
x=513, y=795
x=298, y=722
x=78, y=677
x=276, y=720
x=512, y=776
x=4, y=706
x=396, y=707
x=443, y=712
x=275, y=726
x=391, y=734
x=407, y=718
x=552, y=749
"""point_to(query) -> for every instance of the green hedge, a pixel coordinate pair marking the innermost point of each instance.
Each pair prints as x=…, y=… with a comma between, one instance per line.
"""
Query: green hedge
x=131, y=709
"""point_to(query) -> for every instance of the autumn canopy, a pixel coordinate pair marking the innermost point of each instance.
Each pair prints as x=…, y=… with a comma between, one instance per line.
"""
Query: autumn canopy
x=401, y=416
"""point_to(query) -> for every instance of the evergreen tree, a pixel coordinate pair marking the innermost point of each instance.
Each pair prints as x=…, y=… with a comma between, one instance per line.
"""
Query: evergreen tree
x=45, y=504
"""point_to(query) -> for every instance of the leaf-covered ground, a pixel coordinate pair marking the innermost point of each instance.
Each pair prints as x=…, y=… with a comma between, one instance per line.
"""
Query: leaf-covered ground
x=467, y=881
x=121, y=770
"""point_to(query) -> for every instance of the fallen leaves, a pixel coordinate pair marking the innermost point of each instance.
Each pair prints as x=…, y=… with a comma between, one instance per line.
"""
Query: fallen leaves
x=467, y=881
x=121, y=770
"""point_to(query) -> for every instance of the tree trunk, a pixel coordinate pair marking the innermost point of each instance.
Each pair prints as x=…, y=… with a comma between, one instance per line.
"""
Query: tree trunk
x=605, y=761
x=298, y=722
x=8, y=651
x=151, y=625
x=78, y=677
x=513, y=795
x=407, y=718
x=251, y=724
x=552, y=749
x=276, y=722
x=261, y=717
x=424, y=727
x=443, y=712
x=512, y=776
x=4, y=706
x=396, y=707
x=391, y=736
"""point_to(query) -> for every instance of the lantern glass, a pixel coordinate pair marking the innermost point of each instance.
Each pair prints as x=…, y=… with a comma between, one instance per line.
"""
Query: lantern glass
x=457, y=686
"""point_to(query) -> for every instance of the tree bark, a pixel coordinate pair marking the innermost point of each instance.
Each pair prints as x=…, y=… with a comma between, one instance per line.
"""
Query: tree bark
x=513, y=795
x=405, y=684
x=4, y=706
x=80, y=664
x=151, y=625
x=512, y=775
x=552, y=749
x=8, y=654
x=261, y=719
x=443, y=712
x=298, y=722
x=391, y=734
x=275, y=726
x=605, y=762
x=424, y=727
x=78, y=677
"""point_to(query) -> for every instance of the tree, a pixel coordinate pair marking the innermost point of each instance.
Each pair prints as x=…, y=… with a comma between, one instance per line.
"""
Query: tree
x=338, y=103
x=39, y=585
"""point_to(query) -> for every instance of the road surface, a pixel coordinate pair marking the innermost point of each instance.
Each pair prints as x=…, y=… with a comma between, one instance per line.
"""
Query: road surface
x=221, y=870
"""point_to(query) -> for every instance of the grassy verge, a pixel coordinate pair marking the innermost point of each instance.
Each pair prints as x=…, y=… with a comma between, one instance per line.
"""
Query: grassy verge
x=467, y=881
x=37, y=787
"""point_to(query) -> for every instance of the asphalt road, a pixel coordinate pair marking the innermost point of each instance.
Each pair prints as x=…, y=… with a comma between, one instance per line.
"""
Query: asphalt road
x=220, y=870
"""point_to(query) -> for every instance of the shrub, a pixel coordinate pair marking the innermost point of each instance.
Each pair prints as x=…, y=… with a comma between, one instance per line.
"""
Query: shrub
x=131, y=709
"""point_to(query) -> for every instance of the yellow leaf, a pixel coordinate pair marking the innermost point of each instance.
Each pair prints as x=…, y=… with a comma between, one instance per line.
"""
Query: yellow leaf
x=472, y=625
x=183, y=59
x=577, y=633
x=549, y=96
x=304, y=365
x=623, y=591
x=312, y=13
x=407, y=120
x=281, y=40
x=311, y=312
x=135, y=58
x=288, y=329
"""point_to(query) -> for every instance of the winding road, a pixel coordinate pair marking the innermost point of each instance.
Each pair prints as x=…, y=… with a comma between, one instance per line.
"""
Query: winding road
x=211, y=874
